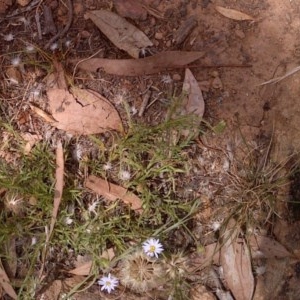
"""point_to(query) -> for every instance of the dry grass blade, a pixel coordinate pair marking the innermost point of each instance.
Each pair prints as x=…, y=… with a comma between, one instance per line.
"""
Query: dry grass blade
x=113, y=192
x=144, y=66
x=5, y=283
x=278, y=79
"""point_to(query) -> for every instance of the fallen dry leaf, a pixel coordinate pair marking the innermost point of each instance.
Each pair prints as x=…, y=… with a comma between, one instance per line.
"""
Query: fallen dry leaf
x=233, y=14
x=53, y=291
x=144, y=66
x=31, y=140
x=113, y=192
x=122, y=34
x=5, y=283
x=84, y=112
x=59, y=184
x=58, y=191
x=130, y=9
x=83, y=270
x=48, y=118
x=193, y=102
x=236, y=262
x=269, y=247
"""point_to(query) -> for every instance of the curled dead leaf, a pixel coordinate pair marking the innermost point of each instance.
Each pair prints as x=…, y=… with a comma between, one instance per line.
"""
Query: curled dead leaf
x=122, y=34
x=233, y=14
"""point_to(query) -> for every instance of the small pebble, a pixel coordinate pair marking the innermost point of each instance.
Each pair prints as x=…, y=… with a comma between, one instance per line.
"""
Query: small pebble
x=217, y=83
x=158, y=36
x=215, y=74
x=240, y=34
x=168, y=44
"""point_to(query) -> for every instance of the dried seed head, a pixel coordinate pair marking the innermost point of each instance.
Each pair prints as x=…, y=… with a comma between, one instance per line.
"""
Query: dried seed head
x=176, y=266
x=14, y=203
x=141, y=273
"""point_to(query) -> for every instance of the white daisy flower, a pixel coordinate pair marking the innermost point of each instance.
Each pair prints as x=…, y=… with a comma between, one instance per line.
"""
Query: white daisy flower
x=124, y=175
x=8, y=37
x=152, y=247
x=108, y=283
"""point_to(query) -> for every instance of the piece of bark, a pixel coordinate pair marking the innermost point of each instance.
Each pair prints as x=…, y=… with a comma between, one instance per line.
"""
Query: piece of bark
x=184, y=30
x=49, y=22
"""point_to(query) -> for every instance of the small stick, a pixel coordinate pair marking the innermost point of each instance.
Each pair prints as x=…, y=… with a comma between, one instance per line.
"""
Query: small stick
x=38, y=25
x=66, y=28
x=144, y=103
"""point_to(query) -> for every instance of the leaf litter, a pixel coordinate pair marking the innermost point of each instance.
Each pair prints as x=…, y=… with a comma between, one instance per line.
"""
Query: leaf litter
x=233, y=14
x=236, y=262
x=112, y=192
x=143, y=66
x=79, y=111
x=121, y=33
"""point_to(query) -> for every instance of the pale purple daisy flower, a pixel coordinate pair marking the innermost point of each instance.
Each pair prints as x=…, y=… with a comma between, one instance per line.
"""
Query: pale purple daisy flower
x=152, y=247
x=108, y=283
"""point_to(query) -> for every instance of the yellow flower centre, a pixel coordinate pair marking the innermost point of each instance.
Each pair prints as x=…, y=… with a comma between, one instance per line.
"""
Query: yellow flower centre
x=152, y=249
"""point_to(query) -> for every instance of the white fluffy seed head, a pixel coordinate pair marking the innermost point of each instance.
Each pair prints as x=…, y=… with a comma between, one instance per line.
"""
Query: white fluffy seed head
x=124, y=175
x=8, y=37
x=16, y=61
x=30, y=48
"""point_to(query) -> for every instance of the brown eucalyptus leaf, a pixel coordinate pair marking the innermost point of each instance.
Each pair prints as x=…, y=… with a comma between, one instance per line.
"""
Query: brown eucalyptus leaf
x=269, y=247
x=82, y=112
x=113, y=192
x=131, y=9
x=52, y=292
x=236, y=263
x=233, y=14
x=83, y=270
x=121, y=33
x=59, y=183
x=144, y=66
